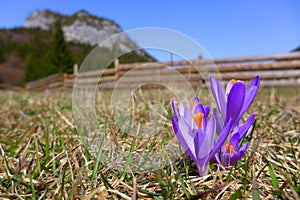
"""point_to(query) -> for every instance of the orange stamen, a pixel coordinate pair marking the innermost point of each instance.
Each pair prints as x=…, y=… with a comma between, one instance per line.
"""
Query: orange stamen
x=192, y=103
x=198, y=118
x=234, y=81
x=229, y=148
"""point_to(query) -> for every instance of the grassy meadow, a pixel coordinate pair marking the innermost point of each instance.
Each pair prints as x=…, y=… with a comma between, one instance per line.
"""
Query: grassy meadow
x=43, y=157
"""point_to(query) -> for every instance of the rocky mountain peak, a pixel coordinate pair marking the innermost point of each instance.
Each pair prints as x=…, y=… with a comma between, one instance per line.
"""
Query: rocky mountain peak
x=41, y=19
x=81, y=27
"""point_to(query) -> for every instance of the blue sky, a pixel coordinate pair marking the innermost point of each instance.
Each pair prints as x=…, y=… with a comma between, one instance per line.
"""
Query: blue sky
x=228, y=28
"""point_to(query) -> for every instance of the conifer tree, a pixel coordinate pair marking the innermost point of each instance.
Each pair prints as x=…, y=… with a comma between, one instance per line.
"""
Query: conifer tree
x=61, y=57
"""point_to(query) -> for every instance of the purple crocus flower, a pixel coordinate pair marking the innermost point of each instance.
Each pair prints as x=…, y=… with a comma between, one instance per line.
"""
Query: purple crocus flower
x=231, y=152
x=196, y=134
x=234, y=102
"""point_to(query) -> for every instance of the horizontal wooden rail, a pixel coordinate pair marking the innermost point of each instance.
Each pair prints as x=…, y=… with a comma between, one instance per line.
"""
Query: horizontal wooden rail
x=96, y=80
x=260, y=67
x=141, y=66
x=294, y=64
x=279, y=70
x=52, y=86
x=45, y=81
x=100, y=72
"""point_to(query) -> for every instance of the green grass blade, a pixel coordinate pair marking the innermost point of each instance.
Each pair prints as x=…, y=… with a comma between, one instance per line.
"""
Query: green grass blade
x=153, y=194
x=129, y=157
x=32, y=189
x=99, y=154
x=273, y=176
x=235, y=195
x=47, y=145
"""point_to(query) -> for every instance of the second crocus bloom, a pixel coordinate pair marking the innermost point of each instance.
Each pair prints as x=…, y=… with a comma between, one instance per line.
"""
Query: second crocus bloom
x=232, y=104
x=234, y=101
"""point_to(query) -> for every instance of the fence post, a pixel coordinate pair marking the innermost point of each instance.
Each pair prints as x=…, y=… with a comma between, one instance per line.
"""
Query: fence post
x=116, y=64
x=75, y=69
x=64, y=85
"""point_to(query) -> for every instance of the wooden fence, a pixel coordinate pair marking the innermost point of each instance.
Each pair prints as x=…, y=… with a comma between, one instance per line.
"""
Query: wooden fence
x=61, y=82
x=280, y=70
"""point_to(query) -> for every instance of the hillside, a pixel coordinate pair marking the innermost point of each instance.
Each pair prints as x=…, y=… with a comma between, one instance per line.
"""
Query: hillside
x=297, y=49
x=82, y=31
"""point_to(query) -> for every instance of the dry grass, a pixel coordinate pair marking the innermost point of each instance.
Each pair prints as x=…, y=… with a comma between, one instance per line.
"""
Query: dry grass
x=42, y=156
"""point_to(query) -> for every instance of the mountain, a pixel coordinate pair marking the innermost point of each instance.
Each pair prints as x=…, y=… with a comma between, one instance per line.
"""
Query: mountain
x=297, y=49
x=81, y=27
x=81, y=30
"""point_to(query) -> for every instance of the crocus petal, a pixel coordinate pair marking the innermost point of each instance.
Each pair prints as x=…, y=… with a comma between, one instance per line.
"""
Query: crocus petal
x=235, y=102
x=179, y=134
x=204, y=141
x=233, y=158
x=218, y=93
x=247, y=124
x=223, y=150
x=199, y=108
x=225, y=159
x=186, y=138
x=249, y=131
x=188, y=117
x=228, y=88
x=217, y=159
x=221, y=140
x=218, y=123
x=211, y=131
x=243, y=149
x=196, y=100
x=186, y=131
x=175, y=125
x=202, y=166
x=238, y=155
x=183, y=133
x=175, y=109
x=251, y=94
x=235, y=141
x=201, y=144
x=206, y=113
x=255, y=82
x=206, y=110
x=181, y=139
x=181, y=110
x=249, y=98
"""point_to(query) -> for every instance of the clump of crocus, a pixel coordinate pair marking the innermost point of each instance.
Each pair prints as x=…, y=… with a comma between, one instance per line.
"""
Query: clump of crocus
x=196, y=130
x=196, y=133
x=232, y=104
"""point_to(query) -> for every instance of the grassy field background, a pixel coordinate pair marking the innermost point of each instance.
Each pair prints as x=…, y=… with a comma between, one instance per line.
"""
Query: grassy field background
x=42, y=156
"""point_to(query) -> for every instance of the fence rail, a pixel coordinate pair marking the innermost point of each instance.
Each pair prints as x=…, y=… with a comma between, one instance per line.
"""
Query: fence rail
x=280, y=70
